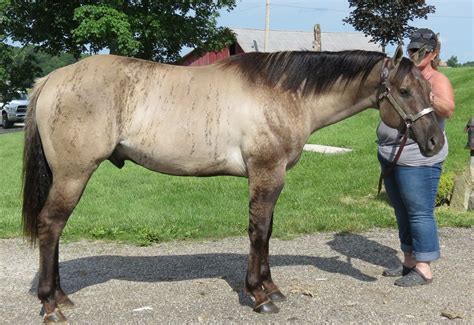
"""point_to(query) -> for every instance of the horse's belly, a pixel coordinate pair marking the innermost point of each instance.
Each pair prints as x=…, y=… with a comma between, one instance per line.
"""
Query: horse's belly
x=182, y=162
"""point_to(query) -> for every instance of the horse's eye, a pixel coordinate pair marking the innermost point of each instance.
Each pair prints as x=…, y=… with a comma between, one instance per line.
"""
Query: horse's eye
x=404, y=92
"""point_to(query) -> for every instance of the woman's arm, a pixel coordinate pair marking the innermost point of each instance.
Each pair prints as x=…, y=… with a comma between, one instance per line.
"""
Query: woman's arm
x=442, y=95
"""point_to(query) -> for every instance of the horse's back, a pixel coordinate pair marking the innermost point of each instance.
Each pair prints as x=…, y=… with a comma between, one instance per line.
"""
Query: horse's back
x=170, y=119
x=187, y=123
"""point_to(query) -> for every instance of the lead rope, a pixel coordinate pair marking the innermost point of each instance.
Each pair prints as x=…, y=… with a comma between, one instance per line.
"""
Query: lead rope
x=393, y=163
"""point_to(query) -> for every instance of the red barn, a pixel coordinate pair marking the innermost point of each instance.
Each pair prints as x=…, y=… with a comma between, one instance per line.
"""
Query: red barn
x=251, y=40
x=210, y=57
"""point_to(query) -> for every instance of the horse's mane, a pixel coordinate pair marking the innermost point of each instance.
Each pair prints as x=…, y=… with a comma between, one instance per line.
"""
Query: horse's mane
x=310, y=72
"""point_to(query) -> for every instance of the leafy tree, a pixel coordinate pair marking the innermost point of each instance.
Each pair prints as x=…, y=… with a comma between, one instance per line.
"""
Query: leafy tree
x=17, y=68
x=386, y=21
x=468, y=64
x=48, y=63
x=44, y=23
x=4, y=54
x=452, y=62
x=153, y=30
x=45, y=62
x=103, y=26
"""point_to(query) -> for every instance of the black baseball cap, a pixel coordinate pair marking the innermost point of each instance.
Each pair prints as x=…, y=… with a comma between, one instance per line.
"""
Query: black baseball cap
x=423, y=36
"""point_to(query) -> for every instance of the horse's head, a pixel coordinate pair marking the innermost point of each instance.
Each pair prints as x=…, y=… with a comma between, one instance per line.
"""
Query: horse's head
x=404, y=101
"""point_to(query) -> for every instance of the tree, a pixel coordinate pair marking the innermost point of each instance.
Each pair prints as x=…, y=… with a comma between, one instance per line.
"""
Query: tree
x=18, y=69
x=153, y=30
x=48, y=62
x=386, y=21
x=453, y=62
x=45, y=62
x=44, y=23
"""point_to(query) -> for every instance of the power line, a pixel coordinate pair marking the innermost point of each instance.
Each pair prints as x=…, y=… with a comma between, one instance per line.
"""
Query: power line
x=340, y=10
x=311, y=8
x=250, y=8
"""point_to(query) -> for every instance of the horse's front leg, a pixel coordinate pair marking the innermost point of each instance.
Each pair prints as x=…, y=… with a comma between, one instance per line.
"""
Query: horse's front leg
x=265, y=186
x=271, y=289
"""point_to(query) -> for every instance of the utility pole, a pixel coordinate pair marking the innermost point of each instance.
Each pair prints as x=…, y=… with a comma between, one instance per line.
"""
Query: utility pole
x=267, y=25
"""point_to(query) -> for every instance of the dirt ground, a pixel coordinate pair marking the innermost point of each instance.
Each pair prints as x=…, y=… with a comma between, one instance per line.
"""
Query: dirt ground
x=327, y=277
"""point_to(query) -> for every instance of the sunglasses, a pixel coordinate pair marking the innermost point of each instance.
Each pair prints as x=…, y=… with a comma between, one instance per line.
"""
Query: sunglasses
x=413, y=51
x=422, y=35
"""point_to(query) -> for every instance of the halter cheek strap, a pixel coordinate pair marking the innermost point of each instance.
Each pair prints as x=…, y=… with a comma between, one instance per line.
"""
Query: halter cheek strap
x=384, y=92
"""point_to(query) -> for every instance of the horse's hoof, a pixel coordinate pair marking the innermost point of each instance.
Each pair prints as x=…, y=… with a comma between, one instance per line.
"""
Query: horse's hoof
x=55, y=317
x=277, y=296
x=267, y=308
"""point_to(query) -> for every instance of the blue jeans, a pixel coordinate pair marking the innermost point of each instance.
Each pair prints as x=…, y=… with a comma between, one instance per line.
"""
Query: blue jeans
x=412, y=191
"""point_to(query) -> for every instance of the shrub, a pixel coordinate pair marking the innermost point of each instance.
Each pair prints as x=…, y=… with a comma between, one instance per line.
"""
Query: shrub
x=445, y=189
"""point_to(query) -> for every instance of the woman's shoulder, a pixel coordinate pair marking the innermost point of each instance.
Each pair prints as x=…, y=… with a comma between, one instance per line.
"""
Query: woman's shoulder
x=439, y=77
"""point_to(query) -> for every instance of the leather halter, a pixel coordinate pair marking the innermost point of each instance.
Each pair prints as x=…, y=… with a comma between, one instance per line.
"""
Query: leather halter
x=384, y=92
x=408, y=119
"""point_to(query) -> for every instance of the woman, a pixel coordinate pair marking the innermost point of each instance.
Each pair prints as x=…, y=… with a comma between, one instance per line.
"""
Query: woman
x=412, y=184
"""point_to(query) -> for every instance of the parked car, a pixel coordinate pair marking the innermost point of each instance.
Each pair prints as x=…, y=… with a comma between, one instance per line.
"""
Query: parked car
x=14, y=111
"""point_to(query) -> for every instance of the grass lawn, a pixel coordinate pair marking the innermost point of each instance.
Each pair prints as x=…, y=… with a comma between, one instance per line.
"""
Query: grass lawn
x=322, y=193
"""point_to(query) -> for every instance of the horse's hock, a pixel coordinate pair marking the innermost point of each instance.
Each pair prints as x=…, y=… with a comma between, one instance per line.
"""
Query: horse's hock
x=463, y=193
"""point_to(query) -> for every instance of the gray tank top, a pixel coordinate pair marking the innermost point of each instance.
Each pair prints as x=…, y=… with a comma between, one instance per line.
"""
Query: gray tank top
x=389, y=141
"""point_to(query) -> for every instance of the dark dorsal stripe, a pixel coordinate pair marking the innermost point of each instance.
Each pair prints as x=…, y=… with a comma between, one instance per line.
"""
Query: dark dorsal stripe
x=290, y=69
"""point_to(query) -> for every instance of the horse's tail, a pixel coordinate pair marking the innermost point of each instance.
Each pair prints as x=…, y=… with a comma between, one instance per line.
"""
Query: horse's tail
x=37, y=177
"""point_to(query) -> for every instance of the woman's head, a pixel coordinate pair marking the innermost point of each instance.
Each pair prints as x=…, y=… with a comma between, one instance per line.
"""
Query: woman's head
x=425, y=38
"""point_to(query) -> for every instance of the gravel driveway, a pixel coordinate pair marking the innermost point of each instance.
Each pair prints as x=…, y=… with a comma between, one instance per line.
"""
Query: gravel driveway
x=327, y=277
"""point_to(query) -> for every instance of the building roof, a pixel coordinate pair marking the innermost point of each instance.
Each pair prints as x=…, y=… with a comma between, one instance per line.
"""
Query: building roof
x=251, y=40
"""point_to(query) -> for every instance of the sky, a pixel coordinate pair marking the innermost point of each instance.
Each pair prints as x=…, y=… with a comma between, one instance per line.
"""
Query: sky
x=453, y=20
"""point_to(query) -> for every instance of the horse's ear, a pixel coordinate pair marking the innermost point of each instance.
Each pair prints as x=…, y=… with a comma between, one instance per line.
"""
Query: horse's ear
x=419, y=55
x=397, y=57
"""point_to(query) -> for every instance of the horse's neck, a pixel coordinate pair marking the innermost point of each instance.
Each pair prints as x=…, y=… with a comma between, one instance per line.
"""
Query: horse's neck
x=338, y=104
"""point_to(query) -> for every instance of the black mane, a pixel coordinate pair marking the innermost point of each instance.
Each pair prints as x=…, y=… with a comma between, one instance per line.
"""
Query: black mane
x=318, y=70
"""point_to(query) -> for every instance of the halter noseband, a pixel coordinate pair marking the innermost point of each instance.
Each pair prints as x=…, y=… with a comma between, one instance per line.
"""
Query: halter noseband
x=384, y=92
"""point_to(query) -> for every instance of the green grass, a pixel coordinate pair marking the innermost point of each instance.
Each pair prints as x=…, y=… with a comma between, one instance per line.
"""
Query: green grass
x=322, y=193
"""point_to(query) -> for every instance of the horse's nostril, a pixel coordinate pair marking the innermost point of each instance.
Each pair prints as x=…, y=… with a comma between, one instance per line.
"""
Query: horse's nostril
x=432, y=143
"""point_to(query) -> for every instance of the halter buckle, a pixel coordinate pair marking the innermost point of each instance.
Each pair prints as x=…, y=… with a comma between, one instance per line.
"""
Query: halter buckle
x=383, y=94
x=408, y=123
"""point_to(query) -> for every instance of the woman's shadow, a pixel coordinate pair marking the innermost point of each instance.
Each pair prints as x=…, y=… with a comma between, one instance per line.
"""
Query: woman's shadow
x=83, y=272
x=355, y=246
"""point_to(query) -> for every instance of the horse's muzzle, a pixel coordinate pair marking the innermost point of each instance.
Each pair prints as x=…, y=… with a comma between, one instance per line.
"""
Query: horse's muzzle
x=433, y=145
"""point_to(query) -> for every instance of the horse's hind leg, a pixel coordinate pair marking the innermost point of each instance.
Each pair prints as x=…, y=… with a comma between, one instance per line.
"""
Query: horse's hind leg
x=265, y=187
x=63, y=196
x=62, y=300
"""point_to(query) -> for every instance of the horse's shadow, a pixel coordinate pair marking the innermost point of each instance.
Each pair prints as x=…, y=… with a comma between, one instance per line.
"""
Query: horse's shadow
x=87, y=271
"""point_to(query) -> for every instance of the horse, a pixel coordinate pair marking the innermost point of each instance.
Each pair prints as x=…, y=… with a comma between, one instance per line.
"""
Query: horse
x=247, y=115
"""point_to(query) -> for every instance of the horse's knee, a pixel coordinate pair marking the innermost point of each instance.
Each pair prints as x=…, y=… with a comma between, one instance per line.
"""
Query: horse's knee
x=257, y=237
